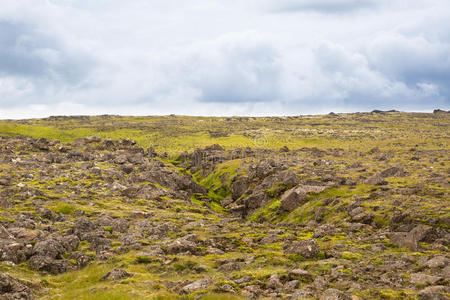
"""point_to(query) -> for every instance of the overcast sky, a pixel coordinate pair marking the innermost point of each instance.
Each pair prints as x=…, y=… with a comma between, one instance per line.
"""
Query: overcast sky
x=227, y=57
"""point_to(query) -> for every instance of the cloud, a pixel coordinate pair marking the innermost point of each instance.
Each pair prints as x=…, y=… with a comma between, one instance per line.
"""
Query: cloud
x=323, y=6
x=222, y=58
x=234, y=68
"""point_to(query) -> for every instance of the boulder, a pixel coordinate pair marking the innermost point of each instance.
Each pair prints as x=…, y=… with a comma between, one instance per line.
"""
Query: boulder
x=297, y=196
x=437, y=292
x=238, y=186
x=421, y=278
x=393, y=171
x=182, y=245
x=410, y=239
x=13, y=289
x=197, y=285
x=307, y=248
x=116, y=274
x=48, y=264
x=334, y=294
x=376, y=180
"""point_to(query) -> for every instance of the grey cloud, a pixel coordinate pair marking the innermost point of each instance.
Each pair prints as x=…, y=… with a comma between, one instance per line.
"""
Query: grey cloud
x=216, y=57
x=323, y=6
x=26, y=52
x=413, y=60
x=236, y=68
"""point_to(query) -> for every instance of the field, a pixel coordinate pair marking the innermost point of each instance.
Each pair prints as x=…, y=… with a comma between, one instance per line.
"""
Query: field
x=178, y=207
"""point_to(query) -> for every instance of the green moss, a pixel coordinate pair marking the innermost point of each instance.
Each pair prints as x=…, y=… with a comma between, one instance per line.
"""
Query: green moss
x=62, y=207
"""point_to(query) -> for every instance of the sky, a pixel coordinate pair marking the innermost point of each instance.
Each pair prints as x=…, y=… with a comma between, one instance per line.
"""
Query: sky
x=233, y=57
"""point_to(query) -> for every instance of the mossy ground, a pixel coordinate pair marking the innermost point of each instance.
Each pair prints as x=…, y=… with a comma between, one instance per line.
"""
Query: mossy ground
x=400, y=136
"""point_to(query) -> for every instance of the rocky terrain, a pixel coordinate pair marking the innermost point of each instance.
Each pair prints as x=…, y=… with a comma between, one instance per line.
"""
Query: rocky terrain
x=356, y=207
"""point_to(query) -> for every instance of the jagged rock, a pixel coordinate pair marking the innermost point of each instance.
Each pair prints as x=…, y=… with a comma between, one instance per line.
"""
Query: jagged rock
x=127, y=168
x=324, y=230
x=13, y=289
x=421, y=278
x=5, y=234
x=301, y=294
x=410, y=239
x=393, y=171
x=274, y=282
x=197, y=285
x=229, y=267
x=437, y=292
x=301, y=274
x=51, y=247
x=376, y=180
x=297, y=196
x=251, y=291
x=292, y=199
x=334, y=294
x=227, y=288
x=116, y=274
x=437, y=262
x=184, y=244
x=239, y=186
x=43, y=263
x=307, y=248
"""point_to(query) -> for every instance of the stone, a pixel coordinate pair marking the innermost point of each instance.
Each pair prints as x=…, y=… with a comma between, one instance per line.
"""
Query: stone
x=421, y=278
x=274, y=282
x=376, y=180
x=307, y=248
x=197, y=285
x=116, y=274
x=48, y=264
x=437, y=262
x=13, y=289
x=434, y=293
x=334, y=294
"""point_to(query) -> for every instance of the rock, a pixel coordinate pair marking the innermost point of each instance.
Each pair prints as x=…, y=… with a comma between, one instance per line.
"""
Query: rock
x=410, y=239
x=184, y=244
x=334, y=294
x=116, y=274
x=291, y=285
x=437, y=262
x=45, y=213
x=271, y=238
x=434, y=293
x=13, y=289
x=127, y=168
x=320, y=283
x=4, y=234
x=292, y=199
x=48, y=264
x=229, y=267
x=197, y=285
x=274, y=282
x=393, y=171
x=307, y=248
x=324, y=230
x=120, y=225
x=376, y=180
x=320, y=213
x=284, y=149
x=300, y=274
x=51, y=248
x=251, y=291
x=243, y=280
x=239, y=186
x=297, y=196
x=227, y=288
x=420, y=278
x=301, y=294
